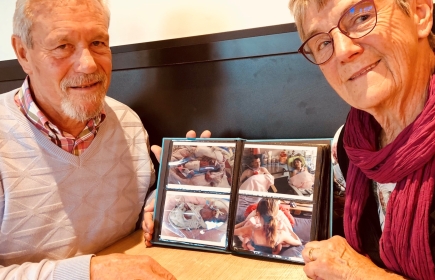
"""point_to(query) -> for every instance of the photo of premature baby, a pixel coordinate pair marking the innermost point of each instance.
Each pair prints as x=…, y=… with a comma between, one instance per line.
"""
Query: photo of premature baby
x=266, y=226
x=201, y=165
x=195, y=218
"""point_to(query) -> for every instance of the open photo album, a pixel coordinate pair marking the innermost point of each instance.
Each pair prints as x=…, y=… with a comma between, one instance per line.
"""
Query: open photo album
x=264, y=198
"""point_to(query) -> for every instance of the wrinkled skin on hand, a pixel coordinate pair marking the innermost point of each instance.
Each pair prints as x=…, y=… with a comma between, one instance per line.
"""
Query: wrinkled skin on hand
x=336, y=259
x=148, y=221
x=120, y=266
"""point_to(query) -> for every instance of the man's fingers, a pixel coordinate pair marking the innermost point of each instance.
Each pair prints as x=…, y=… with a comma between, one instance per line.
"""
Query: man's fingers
x=149, y=223
x=157, y=150
x=191, y=134
x=204, y=134
x=148, y=228
x=150, y=206
x=148, y=238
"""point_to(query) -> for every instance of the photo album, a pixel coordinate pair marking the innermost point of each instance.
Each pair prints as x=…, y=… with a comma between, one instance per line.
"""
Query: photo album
x=264, y=198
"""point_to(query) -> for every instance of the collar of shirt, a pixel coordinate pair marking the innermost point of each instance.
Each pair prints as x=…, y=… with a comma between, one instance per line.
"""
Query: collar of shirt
x=66, y=141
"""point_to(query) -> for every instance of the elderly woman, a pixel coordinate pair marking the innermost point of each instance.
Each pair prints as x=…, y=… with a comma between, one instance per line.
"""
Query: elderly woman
x=378, y=56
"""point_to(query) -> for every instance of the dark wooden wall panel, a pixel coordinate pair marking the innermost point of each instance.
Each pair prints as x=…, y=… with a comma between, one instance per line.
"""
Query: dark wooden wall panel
x=265, y=97
x=249, y=83
x=6, y=86
x=258, y=46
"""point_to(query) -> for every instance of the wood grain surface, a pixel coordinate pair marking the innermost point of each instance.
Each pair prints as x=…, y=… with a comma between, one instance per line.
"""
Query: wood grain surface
x=196, y=264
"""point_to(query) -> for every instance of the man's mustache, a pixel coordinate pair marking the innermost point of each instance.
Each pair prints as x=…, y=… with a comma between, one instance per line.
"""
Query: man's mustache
x=83, y=80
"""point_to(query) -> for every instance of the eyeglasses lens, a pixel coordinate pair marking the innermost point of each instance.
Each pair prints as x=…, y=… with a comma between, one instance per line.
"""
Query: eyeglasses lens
x=357, y=22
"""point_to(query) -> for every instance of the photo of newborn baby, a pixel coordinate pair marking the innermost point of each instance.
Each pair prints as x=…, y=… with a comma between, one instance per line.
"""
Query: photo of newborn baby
x=198, y=165
x=195, y=218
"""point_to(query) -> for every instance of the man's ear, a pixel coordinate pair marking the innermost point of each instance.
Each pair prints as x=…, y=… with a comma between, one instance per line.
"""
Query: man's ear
x=21, y=51
x=424, y=17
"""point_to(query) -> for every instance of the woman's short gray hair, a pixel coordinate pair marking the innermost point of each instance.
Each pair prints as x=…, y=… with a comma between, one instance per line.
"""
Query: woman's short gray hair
x=23, y=19
x=299, y=7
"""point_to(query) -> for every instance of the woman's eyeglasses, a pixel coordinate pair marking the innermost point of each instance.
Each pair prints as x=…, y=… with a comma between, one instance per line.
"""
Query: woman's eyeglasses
x=356, y=22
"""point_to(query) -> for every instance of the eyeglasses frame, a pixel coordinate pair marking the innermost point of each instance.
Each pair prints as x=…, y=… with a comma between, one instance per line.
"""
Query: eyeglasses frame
x=301, y=48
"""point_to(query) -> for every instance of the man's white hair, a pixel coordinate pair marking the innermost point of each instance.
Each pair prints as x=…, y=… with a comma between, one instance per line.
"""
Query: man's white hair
x=23, y=18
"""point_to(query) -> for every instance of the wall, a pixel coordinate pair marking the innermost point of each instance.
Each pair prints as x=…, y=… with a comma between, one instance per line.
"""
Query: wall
x=138, y=21
x=249, y=83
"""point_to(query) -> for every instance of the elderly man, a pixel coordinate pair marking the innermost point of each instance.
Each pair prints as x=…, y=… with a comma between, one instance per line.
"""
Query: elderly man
x=74, y=164
x=378, y=55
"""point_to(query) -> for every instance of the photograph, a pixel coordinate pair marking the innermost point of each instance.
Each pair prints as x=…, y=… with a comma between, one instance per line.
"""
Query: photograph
x=206, y=165
x=283, y=170
x=195, y=218
x=272, y=227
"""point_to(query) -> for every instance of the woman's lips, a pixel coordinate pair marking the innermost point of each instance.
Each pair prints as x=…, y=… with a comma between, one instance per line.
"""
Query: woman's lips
x=365, y=70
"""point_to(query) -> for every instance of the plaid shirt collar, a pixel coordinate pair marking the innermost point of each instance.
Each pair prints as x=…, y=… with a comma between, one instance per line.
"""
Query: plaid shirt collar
x=64, y=140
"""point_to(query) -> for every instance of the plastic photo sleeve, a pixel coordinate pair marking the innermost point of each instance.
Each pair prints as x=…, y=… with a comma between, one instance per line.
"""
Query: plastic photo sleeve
x=279, y=171
x=268, y=227
x=195, y=218
x=201, y=166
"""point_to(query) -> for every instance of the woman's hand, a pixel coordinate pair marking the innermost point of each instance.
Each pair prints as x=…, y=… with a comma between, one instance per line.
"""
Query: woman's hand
x=336, y=259
x=148, y=221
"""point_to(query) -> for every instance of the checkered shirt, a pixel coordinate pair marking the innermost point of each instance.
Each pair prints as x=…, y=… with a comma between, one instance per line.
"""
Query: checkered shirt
x=63, y=139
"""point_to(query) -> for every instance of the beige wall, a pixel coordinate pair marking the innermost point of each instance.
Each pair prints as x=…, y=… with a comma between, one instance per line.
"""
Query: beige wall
x=136, y=21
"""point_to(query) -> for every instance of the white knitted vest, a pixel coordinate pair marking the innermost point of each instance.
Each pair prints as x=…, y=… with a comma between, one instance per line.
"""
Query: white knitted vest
x=56, y=205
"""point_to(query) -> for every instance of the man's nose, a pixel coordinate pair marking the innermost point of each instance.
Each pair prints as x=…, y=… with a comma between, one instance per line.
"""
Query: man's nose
x=86, y=62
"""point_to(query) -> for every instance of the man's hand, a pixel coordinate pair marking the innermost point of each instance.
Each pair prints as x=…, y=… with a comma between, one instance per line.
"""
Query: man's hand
x=120, y=266
x=336, y=259
x=148, y=221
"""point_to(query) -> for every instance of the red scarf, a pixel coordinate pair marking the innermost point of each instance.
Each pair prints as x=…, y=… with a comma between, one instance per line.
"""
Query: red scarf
x=409, y=161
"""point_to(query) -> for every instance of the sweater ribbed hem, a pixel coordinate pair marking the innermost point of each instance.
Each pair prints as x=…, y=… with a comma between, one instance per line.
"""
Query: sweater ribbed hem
x=73, y=268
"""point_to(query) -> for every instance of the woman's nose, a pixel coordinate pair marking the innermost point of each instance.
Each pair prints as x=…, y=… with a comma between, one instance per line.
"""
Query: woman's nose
x=345, y=48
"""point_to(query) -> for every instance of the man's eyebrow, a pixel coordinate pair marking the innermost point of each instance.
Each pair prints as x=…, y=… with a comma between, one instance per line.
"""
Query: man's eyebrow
x=102, y=36
x=57, y=39
x=61, y=38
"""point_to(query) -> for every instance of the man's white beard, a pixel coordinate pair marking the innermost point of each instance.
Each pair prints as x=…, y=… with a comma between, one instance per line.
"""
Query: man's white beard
x=76, y=109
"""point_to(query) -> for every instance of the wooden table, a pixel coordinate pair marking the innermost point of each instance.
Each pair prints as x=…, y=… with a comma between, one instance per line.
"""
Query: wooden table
x=195, y=264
